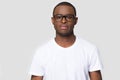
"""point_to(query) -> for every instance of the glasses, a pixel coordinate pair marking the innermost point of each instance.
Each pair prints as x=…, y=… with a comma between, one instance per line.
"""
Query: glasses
x=68, y=17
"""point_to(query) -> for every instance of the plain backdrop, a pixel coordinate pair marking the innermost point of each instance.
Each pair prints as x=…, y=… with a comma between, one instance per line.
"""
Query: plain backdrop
x=26, y=24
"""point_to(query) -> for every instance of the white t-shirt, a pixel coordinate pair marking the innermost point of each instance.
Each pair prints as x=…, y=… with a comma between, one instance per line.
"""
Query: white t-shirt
x=73, y=63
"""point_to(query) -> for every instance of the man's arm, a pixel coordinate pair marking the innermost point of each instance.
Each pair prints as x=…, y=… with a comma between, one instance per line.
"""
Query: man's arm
x=36, y=77
x=95, y=75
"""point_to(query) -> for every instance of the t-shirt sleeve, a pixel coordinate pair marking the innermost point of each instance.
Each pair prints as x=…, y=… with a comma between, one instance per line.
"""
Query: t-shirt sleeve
x=37, y=68
x=95, y=62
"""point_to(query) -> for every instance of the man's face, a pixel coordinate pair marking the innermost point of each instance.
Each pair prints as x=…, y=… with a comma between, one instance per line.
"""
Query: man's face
x=64, y=20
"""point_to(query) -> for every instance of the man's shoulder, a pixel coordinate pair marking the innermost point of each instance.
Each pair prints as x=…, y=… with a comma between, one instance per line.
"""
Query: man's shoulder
x=43, y=48
x=86, y=43
x=87, y=46
x=45, y=45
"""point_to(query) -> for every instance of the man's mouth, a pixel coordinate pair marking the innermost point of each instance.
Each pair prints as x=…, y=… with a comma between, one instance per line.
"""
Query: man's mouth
x=64, y=27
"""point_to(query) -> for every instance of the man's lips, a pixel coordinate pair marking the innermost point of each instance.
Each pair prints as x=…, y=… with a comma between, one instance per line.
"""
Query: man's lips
x=63, y=27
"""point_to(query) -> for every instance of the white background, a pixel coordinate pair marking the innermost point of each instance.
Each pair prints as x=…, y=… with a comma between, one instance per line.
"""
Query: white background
x=26, y=24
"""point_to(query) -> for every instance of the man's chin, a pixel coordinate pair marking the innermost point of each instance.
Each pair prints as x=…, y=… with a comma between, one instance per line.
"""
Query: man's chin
x=64, y=34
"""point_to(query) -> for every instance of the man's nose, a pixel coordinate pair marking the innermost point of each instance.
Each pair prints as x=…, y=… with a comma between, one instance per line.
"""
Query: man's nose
x=64, y=20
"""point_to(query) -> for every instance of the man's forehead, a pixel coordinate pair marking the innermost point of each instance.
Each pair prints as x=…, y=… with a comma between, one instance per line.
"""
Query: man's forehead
x=64, y=9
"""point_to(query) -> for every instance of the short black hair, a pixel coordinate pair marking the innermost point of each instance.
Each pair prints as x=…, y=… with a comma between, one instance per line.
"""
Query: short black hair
x=64, y=3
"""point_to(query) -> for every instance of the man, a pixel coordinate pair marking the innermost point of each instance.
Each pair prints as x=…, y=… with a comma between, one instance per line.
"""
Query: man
x=66, y=57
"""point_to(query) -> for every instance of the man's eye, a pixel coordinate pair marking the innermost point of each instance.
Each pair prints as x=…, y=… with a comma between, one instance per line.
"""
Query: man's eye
x=69, y=17
x=58, y=17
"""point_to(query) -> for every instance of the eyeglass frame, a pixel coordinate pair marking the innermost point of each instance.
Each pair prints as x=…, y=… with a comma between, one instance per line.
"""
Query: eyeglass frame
x=67, y=17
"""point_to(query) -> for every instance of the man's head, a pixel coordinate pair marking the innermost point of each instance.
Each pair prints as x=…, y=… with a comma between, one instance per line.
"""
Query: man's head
x=67, y=4
x=64, y=18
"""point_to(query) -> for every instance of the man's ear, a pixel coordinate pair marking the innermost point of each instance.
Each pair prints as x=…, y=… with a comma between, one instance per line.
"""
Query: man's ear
x=76, y=20
x=52, y=20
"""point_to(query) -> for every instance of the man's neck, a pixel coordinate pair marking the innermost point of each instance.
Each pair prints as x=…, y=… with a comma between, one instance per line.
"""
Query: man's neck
x=65, y=41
